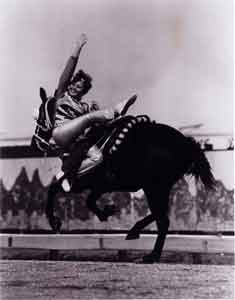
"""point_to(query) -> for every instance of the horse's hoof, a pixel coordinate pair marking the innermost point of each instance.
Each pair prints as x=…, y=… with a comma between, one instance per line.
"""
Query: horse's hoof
x=148, y=259
x=132, y=236
x=138, y=260
x=55, y=224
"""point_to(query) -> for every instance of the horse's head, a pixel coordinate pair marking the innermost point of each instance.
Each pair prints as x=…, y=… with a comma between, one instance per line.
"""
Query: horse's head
x=44, y=122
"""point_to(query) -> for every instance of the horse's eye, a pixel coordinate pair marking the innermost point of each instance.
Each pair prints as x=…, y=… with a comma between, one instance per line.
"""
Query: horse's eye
x=35, y=114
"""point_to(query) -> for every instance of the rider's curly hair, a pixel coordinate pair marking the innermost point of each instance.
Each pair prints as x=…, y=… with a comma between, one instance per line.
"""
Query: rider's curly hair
x=87, y=78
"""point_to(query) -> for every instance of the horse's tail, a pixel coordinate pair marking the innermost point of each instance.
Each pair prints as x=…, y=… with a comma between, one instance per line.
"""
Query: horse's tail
x=200, y=166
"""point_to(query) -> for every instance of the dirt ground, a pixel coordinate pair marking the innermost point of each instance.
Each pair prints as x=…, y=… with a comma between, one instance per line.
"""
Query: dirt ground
x=23, y=280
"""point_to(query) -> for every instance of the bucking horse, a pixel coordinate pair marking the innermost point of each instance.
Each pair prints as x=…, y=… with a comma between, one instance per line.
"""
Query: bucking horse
x=138, y=154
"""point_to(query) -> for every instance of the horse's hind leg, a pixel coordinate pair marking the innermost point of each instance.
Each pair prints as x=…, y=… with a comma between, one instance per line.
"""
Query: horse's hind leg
x=134, y=232
x=159, y=210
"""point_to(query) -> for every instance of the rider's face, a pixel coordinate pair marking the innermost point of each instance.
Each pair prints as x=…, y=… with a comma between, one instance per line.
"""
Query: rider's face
x=76, y=89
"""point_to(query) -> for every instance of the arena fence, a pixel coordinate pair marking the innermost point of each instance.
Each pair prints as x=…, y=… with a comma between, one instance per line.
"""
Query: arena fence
x=223, y=244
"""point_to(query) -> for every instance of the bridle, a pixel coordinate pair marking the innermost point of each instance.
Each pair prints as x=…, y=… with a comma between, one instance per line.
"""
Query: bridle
x=41, y=143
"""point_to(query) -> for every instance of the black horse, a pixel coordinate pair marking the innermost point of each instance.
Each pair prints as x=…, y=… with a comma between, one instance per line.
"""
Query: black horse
x=138, y=154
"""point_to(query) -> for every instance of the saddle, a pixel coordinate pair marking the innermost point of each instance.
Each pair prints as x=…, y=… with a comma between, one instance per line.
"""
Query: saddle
x=108, y=139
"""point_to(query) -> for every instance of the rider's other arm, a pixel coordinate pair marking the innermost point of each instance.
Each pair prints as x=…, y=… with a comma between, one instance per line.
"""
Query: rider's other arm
x=70, y=67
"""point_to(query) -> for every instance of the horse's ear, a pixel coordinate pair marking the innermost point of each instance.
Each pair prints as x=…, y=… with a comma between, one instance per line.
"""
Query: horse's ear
x=43, y=94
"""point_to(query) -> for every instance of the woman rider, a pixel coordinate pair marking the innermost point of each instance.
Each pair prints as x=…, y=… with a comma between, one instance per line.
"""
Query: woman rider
x=73, y=116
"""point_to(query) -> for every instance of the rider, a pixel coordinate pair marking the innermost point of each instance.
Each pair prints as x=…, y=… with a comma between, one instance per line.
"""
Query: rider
x=73, y=116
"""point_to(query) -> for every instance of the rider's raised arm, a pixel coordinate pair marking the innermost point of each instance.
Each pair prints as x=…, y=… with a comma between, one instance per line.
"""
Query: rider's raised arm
x=70, y=67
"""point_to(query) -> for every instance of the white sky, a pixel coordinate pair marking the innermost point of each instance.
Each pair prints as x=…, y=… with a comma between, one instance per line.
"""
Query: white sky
x=175, y=54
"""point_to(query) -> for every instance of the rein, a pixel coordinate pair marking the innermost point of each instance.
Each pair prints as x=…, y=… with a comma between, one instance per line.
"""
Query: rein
x=42, y=144
x=41, y=127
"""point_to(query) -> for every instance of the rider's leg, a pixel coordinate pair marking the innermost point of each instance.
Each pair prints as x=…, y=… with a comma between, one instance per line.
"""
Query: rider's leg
x=66, y=133
x=122, y=107
x=69, y=131
x=82, y=158
x=71, y=162
x=94, y=158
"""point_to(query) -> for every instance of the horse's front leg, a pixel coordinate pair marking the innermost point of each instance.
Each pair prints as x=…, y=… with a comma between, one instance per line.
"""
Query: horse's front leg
x=92, y=206
x=53, y=220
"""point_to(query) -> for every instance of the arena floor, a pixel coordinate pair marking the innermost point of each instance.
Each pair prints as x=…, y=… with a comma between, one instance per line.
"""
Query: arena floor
x=23, y=280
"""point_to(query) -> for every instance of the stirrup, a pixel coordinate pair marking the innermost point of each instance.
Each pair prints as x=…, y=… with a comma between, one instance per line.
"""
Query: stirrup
x=88, y=169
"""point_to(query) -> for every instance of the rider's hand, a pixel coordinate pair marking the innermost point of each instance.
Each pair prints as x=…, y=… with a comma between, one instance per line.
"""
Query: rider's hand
x=82, y=40
x=78, y=45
